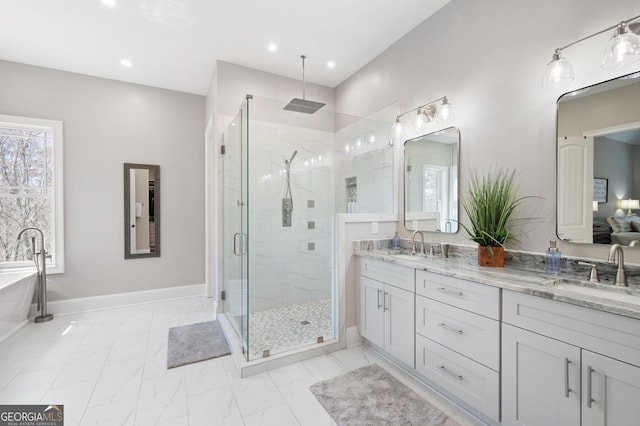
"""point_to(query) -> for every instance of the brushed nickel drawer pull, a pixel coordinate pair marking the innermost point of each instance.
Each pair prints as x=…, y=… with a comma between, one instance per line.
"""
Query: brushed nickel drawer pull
x=451, y=329
x=589, y=396
x=450, y=373
x=450, y=292
x=566, y=377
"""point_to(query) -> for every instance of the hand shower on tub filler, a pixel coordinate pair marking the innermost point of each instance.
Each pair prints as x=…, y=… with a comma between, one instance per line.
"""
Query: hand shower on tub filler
x=39, y=259
x=287, y=200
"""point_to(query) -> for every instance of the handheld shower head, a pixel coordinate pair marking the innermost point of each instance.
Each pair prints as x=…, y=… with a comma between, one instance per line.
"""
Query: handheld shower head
x=292, y=157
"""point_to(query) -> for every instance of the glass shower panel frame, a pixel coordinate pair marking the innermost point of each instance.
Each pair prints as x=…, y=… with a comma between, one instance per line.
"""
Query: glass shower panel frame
x=280, y=279
x=234, y=227
x=291, y=268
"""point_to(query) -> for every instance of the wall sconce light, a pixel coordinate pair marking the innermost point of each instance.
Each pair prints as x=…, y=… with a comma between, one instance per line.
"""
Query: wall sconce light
x=622, y=49
x=629, y=204
x=425, y=114
x=595, y=206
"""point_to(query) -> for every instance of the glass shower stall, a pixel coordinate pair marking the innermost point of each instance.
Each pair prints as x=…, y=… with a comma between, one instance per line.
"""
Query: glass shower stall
x=285, y=175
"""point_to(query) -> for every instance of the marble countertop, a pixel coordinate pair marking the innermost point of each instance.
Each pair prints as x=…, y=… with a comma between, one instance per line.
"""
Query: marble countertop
x=525, y=277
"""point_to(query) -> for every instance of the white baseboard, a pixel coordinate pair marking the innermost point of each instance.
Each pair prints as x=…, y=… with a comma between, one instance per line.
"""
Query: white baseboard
x=353, y=337
x=95, y=303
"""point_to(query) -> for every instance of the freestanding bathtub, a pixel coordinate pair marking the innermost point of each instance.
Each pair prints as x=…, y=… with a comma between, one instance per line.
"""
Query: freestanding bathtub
x=16, y=294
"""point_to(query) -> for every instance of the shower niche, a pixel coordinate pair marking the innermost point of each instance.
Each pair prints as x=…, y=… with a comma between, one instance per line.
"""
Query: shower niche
x=283, y=183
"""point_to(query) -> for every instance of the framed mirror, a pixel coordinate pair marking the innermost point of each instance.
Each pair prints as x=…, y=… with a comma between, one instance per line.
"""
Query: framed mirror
x=598, y=160
x=141, y=210
x=431, y=181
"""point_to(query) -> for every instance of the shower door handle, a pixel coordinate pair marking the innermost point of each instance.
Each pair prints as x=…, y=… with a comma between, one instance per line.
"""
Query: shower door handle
x=236, y=240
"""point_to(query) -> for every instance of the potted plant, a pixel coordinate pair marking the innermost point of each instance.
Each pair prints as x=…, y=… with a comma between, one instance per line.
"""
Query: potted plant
x=489, y=203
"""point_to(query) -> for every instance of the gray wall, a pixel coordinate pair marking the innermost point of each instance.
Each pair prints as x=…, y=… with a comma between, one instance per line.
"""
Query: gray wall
x=488, y=57
x=107, y=123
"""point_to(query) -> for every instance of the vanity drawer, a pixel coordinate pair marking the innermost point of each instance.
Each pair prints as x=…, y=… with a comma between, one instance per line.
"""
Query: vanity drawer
x=473, y=383
x=598, y=331
x=478, y=298
x=469, y=334
x=389, y=273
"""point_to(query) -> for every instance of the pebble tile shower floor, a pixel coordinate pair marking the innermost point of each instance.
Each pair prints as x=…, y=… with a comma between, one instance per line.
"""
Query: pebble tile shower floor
x=282, y=329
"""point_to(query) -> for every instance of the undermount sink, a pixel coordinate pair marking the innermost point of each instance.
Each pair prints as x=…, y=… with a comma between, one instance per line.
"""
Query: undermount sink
x=629, y=294
x=401, y=254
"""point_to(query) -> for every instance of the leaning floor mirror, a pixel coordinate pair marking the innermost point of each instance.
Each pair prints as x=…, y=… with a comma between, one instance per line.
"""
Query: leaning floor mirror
x=141, y=210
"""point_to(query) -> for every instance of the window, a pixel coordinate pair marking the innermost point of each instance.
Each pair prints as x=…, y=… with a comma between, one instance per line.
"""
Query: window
x=31, y=190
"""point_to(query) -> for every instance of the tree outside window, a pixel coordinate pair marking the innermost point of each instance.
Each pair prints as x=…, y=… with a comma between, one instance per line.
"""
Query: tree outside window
x=27, y=187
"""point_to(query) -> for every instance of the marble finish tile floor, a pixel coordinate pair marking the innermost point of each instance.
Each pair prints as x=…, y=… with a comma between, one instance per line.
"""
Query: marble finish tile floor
x=109, y=368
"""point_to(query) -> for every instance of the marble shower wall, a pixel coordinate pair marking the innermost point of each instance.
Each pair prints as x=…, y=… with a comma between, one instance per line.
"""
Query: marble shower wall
x=290, y=265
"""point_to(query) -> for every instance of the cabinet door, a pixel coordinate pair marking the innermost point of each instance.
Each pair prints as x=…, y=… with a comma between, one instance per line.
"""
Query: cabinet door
x=399, y=324
x=540, y=379
x=371, y=322
x=611, y=391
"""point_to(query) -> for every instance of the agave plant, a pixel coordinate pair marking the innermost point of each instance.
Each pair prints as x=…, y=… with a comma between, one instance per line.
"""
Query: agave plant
x=491, y=200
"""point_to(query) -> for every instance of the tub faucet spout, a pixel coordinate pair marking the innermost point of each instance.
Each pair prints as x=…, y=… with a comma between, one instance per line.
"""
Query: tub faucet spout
x=616, y=253
x=40, y=260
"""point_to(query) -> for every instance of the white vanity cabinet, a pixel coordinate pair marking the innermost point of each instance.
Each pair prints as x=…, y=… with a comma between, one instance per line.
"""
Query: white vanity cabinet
x=568, y=365
x=387, y=309
x=458, y=339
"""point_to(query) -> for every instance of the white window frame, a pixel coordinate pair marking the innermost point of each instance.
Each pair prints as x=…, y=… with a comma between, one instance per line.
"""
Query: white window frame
x=57, y=264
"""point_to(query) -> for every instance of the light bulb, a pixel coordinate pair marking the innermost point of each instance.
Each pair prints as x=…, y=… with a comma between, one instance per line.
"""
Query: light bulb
x=446, y=114
x=397, y=128
x=558, y=72
x=420, y=120
x=622, y=49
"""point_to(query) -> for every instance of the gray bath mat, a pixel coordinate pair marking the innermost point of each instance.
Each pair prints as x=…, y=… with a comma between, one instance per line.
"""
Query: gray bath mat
x=195, y=342
x=371, y=396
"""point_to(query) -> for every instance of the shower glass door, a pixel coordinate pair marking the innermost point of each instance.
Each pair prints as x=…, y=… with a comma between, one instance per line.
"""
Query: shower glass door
x=234, y=226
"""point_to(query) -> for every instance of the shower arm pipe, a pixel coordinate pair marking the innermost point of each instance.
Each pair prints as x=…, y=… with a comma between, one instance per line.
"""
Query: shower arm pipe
x=303, y=80
x=442, y=98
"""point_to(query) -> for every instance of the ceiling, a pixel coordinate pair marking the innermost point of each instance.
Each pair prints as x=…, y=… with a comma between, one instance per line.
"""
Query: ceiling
x=174, y=44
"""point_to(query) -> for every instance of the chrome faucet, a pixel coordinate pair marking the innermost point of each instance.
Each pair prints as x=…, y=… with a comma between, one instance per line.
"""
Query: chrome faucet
x=621, y=276
x=413, y=241
x=41, y=267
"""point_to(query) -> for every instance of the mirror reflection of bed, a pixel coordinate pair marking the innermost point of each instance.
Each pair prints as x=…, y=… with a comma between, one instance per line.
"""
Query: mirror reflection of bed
x=599, y=163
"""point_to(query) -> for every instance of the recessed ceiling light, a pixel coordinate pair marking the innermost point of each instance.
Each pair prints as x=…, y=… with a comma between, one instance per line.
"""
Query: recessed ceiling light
x=125, y=63
x=109, y=3
x=331, y=64
x=272, y=47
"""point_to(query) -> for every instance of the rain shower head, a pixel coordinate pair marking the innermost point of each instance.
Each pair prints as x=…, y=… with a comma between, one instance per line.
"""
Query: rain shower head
x=303, y=105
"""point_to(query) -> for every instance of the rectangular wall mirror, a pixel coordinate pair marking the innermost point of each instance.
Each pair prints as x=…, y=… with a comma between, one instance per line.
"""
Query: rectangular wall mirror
x=431, y=181
x=598, y=152
x=141, y=210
